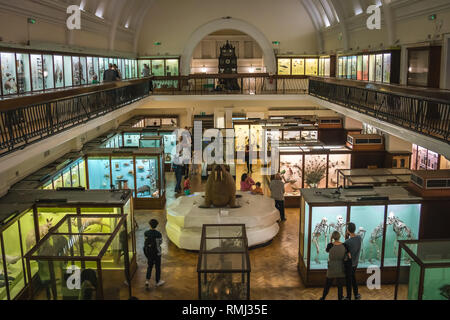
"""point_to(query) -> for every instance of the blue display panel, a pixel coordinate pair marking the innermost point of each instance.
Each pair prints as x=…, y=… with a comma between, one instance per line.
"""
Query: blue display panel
x=123, y=173
x=305, y=235
x=402, y=224
x=170, y=146
x=99, y=173
x=147, y=177
x=369, y=221
x=324, y=221
x=131, y=139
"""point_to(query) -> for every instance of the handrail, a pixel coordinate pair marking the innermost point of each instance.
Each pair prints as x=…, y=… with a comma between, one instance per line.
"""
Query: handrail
x=11, y=102
x=427, y=116
x=28, y=124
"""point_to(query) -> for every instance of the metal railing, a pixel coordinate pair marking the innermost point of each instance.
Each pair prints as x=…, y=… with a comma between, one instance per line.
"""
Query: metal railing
x=22, y=126
x=219, y=84
x=430, y=117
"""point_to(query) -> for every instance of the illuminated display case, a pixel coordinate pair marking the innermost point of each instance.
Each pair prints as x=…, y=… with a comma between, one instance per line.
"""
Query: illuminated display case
x=427, y=275
x=75, y=243
x=138, y=170
x=8, y=73
x=23, y=73
x=381, y=66
x=42, y=211
x=382, y=215
x=310, y=66
x=224, y=263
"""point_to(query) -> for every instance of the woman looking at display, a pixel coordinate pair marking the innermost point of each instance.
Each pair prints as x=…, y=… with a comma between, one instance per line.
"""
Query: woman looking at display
x=336, y=253
x=246, y=182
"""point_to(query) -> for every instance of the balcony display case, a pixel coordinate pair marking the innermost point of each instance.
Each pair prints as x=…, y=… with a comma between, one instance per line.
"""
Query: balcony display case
x=138, y=170
x=382, y=215
x=48, y=72
x=427, y=275
x=8, y=73
x=68, y=71
x=37, y=76
x=59, y=71
x=23, y=73
x=224, y=263
x=100, y=255
x=310, y=66
x=383, y=66
x=42, y=211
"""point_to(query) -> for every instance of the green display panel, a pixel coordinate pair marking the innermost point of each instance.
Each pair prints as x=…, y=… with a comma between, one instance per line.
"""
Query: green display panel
x=372, y=67
x=402, y=224
x=147, y=177
x=13, y=254
x=67, y=178
x=158, y=67
x=67, y=71
x=435, y=281
x=3, y=294
x=324, y=221
x=49, y=217
x=414, y=280
x=123, y=173
x=28, y=237
x=99, y=173
x=130, y=227
x=387, y=67
x=48, y=72
x=141, y=64
x=369, y=221
x=305, y=234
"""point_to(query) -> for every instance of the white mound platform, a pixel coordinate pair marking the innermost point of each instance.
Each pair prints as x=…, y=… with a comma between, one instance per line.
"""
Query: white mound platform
x=185, y=219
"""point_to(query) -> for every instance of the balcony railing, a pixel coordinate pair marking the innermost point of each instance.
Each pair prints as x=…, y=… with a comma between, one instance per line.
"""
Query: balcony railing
x=428, y=116
x=21, y=126
x=218, y=84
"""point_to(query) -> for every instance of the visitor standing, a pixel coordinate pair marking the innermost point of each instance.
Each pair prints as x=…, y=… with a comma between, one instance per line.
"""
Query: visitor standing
x=146, y=71
x=110, y=74
x=247, y=159
x=152, y=250
x=178, y=168
x=118, y=73
x=353, y=245
x=336, y=253
x=277, y=191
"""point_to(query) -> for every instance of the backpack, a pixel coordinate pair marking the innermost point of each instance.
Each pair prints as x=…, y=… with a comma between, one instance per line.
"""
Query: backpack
x=150, y=246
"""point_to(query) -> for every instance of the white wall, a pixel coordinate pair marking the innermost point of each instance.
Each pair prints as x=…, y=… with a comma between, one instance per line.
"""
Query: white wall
x=171, y=22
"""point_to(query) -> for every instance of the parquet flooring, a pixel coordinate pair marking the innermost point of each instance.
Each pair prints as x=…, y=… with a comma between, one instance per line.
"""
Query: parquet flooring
x=274, y=273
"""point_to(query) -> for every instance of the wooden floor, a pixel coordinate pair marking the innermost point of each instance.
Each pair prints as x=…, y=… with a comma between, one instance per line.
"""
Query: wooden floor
x=274, y=273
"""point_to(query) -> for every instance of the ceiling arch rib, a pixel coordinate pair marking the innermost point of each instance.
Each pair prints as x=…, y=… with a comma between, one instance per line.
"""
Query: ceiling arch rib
x=309, y=7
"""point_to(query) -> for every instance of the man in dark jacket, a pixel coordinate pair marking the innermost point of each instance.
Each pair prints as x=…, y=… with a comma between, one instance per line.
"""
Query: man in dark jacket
x=353, y=245
x=110, y=74
x=152, y=250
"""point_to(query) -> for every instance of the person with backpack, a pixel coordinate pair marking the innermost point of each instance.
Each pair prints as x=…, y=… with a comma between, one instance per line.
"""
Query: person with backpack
x=353, y=244
x=152, y=250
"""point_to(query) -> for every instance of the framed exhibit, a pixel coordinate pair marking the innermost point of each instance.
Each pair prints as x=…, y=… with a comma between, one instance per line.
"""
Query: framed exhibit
x=310, y=66
x=298, y=66
x=284, y=66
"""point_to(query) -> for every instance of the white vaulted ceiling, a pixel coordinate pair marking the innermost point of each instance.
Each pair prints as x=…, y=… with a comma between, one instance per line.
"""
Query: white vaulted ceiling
x=124, y=19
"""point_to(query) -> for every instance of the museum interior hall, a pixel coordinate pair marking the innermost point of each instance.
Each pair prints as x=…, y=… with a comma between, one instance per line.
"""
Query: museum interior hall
x=224, y=150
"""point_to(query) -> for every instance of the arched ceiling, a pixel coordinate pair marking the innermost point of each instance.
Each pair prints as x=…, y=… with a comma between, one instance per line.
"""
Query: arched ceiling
x=124, y=18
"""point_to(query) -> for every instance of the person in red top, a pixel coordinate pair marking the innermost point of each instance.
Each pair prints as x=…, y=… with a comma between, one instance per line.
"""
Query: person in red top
x=187, y=185
x=246, y=182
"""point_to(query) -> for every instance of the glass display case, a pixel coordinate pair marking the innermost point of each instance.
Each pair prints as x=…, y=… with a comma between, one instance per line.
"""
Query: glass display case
x=170, y=145
x=23, y=73
x=37, y=76
x=427, y=274
x=15, y=236
x=138, y=170
x=291, y=168
x=99, y=255
x=8, y=73
x=48, y=209
x=382, y=215
x=72, y=175
x=224, y=263
x=311, y=66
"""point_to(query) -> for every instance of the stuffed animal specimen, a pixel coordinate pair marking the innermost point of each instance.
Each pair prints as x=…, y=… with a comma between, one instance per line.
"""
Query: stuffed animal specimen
x=43, y=230
x=220, y=189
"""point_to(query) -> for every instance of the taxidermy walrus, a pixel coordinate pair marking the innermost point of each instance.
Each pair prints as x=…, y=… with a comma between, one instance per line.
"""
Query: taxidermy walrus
x=220, y=189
